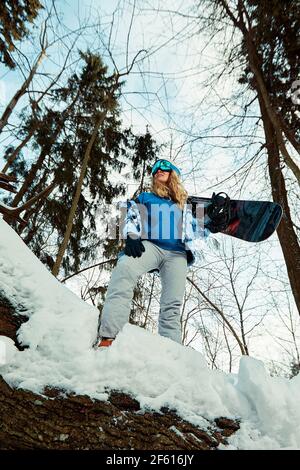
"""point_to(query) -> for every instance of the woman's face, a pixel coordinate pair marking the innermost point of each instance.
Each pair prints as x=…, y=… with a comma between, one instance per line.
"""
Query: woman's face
x=162, y=176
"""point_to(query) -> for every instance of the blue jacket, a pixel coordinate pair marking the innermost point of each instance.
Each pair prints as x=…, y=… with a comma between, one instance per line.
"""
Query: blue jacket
x=193, y=235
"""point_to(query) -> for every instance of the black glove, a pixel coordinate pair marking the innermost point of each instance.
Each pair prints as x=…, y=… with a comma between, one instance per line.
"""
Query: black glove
x=134, y=247
x=218, y=212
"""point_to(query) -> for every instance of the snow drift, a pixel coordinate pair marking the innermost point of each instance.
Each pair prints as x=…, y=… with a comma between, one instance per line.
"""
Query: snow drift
x=155, y=370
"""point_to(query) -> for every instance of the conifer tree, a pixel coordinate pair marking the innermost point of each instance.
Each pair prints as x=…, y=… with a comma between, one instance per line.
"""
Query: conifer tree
x=14, y=16
x=274, y=33
x=66, y=125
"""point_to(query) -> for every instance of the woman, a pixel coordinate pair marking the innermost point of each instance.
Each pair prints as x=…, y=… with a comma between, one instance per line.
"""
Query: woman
x=161, y=235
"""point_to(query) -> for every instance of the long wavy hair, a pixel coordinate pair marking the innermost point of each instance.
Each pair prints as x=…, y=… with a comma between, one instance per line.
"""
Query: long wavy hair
x=173, y=188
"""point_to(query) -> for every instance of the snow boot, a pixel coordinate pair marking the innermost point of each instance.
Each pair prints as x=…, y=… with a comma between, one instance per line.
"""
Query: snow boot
x=105, y=342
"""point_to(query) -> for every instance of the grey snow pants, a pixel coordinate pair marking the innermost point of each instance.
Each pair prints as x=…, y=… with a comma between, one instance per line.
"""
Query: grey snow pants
x=172, y=266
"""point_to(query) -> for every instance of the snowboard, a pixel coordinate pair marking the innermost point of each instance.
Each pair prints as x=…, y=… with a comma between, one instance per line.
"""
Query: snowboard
x=252, y=221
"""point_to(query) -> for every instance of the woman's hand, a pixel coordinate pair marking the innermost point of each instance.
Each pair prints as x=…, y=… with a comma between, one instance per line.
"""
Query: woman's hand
x=134, y=247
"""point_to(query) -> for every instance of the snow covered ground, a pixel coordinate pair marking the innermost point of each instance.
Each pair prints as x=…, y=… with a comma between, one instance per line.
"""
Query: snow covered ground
x=155, y=370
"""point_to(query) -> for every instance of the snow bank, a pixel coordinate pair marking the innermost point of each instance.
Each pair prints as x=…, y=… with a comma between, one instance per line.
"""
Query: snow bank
x=155, y=370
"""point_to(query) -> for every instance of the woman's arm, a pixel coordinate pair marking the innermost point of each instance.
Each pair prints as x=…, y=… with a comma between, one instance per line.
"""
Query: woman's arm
x=132, y=221
x=192, y=227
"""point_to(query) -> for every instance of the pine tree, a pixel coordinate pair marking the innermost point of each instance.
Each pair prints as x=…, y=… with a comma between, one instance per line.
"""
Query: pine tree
x=14, y=16
x=275, y=35
x=146, y=151
x=66, y=125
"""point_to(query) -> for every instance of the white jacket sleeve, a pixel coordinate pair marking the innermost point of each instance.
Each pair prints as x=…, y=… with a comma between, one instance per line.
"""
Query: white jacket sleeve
x=131, y=219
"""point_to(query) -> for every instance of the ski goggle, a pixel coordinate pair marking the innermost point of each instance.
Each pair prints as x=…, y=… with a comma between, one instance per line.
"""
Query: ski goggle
x=164, y=165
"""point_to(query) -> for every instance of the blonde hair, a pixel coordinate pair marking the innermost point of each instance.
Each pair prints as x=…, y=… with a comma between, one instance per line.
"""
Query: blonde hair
x=173, y=188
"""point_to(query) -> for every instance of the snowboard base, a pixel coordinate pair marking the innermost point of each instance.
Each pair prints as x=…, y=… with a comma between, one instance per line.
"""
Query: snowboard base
x=252, y=221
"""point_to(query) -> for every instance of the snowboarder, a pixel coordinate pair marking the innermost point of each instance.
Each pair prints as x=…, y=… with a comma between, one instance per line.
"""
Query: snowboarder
x=161, y=235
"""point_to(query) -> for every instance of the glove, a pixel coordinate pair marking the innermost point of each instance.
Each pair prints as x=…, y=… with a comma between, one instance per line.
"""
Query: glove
x=134, y=247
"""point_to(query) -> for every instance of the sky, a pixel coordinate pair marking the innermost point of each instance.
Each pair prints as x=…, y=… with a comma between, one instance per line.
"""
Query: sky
x=162, y=91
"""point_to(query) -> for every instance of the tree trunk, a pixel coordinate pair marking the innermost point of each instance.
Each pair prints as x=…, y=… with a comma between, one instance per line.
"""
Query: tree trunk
x=73, y=209
x=13, y=102
x=32, y=214
x=275, y=144
x=43, y=154
x=269, y=110
x=17, y=150
x=30, y=177
x=13, y=213
x=75, y=422
x=9, y=321
x=30, y=421
x=219, y=312
x=286, y=233
x=254, y=64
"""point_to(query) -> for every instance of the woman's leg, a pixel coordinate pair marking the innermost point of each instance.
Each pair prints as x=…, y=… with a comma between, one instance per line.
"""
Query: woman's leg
x=119, y=294
x=173, y=278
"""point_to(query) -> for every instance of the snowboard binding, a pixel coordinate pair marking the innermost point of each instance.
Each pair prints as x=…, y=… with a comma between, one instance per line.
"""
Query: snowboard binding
x=219, y=212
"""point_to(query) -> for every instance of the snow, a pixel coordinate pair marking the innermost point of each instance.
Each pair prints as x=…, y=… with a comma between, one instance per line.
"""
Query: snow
x=7, y=350
x=155, y=370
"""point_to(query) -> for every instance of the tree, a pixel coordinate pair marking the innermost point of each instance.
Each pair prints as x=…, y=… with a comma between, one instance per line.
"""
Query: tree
x=144, y=152
x=268, y=31
x=270, y=43
x=13, y=102
x=66, y=126
x=14, y=16
x=63, y=246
